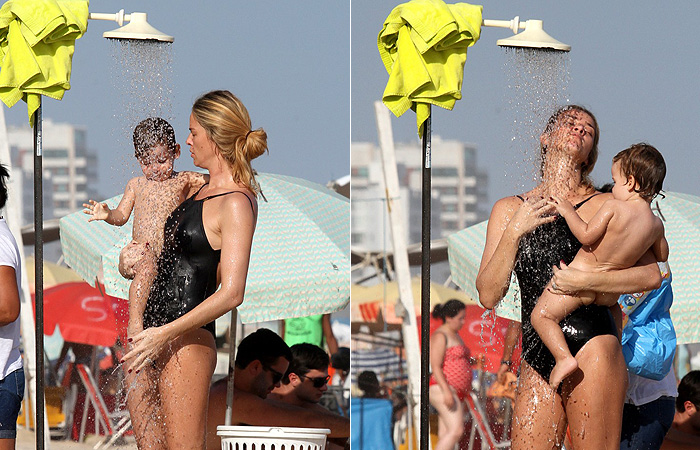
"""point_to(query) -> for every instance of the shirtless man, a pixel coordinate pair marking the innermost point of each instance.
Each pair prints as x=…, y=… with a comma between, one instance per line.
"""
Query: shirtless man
x=685, y=430
x=306, y=379
x=262, y=359
x=151, y=197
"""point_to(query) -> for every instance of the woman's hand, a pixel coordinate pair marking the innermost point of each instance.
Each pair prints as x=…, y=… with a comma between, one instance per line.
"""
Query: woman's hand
x=146, y=347
x=568, y=281
x=530, y=215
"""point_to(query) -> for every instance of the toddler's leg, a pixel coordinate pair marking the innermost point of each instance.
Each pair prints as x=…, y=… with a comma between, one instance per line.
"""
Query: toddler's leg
x=549, y=311
x=145, y=272
x=128, y=257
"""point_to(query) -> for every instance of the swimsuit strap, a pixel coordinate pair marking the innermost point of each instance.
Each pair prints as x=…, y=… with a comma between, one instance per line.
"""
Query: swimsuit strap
x=577, y=206
x=226, y=193
x=585, y=200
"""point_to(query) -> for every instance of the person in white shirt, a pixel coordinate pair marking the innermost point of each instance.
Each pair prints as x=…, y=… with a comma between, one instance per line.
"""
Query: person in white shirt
x=11, y=372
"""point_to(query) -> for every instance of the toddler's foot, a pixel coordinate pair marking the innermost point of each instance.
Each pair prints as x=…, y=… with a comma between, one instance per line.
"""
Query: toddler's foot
x=561, y=370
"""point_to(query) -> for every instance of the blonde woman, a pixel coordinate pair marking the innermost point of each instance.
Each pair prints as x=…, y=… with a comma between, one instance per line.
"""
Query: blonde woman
x=207, y=242
x=524, y=236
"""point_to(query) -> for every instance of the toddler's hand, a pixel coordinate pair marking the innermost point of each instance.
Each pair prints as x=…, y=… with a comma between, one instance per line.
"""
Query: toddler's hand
x=562, y=205
x=98, y=211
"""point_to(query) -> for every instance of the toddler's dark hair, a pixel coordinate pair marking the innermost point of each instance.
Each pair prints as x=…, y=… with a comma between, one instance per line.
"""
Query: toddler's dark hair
x=646, y=165
x=150, y=133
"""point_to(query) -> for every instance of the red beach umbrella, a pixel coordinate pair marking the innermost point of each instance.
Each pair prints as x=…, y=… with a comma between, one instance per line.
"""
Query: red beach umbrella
x=84, y=314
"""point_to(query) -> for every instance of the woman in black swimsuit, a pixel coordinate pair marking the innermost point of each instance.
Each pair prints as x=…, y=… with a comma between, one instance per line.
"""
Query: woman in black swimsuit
x=524, y=236
x=207, y=242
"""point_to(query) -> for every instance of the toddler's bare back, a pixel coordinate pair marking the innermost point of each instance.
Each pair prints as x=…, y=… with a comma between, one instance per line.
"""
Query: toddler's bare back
x=629, y=234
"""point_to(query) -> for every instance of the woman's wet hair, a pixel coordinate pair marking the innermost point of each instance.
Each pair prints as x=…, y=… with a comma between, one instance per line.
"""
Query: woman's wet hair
x=646, y=164
x=227, y=124
x=4, y=175
x=587, y=166
x=150, y=133
x=448, y=309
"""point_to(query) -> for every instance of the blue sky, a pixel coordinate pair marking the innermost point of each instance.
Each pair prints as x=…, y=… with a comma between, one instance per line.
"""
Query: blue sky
x=288, y=62
x=633, y=64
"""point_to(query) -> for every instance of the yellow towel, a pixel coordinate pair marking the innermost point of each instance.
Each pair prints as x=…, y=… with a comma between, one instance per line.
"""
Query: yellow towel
x=37, y=40
x=424, y=47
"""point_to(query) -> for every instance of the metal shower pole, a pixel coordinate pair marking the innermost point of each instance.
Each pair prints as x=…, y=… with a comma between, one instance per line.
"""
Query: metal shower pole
x=39, y=277
x=425, y=288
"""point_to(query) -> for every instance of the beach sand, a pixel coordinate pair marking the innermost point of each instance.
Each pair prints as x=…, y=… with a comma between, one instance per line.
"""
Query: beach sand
x=26, y=440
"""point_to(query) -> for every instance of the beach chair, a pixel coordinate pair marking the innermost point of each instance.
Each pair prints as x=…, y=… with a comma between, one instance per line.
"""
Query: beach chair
x=114, y=423
x=481, y=426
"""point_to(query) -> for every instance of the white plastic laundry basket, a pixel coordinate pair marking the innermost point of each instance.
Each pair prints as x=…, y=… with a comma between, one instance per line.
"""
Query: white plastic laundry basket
x=273, y=438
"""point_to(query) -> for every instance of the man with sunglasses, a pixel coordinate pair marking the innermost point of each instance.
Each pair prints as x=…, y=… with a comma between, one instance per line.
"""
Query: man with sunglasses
x=262, y=360
x=306, y=379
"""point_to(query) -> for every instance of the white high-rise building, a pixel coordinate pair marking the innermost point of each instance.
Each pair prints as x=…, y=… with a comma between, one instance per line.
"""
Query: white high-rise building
x=459, y=190
x=70, y=169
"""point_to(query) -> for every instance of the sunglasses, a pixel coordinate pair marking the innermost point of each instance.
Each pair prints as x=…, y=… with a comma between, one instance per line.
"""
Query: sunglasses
x=318, y=381
x=276, y=376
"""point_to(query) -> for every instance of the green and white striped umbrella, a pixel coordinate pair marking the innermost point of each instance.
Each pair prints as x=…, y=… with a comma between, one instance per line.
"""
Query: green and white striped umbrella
x=299, y=264
x=681, y=216
x=464, y=250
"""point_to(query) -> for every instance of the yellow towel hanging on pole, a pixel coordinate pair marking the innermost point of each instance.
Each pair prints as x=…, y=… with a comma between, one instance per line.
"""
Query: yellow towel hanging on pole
x=423, y=45
x=37, y=41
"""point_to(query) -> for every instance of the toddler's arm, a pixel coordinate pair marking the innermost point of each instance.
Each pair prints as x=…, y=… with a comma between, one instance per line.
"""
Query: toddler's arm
x=117, y=216
x=660, y=248
x=586, y=233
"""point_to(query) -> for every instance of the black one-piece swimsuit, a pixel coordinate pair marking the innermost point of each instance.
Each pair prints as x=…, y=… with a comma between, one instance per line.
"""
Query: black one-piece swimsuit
x=187, y=266
x=538, y=251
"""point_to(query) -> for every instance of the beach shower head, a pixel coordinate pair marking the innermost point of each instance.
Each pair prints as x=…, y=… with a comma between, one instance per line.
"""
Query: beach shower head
x=533, y=36
x=138, y=27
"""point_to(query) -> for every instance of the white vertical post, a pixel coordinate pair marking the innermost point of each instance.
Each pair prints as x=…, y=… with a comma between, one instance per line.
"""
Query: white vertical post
x=401, y=266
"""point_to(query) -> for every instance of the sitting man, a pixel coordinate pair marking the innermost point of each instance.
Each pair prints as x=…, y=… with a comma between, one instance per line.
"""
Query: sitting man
x=261, y=361
x=306, y=379
x=685, y=430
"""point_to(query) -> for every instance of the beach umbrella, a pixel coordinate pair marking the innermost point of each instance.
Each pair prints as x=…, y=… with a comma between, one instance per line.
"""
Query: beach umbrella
x=464, y=250
x=680, y=214
x=84, y=314
x=299, y=264
x=53, y=274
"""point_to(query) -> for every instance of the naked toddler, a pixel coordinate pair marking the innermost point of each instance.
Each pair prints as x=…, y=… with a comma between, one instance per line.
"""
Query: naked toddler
x=615, y=238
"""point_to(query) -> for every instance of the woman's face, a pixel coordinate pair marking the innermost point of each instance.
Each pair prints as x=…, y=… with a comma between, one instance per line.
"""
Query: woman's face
x=202, y=149
x=456, y=322
x=573, y=133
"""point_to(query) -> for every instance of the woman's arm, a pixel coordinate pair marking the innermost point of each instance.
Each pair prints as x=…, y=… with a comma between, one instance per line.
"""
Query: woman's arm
x=234, y=218
x=9, y=296
x=644, y=276
x=510, y=220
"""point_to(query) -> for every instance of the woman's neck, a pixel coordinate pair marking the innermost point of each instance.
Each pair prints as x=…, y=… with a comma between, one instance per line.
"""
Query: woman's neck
x=562, y=178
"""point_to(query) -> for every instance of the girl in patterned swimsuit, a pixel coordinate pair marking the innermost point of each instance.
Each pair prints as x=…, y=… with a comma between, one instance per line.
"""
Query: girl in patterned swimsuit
x=451, y=378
